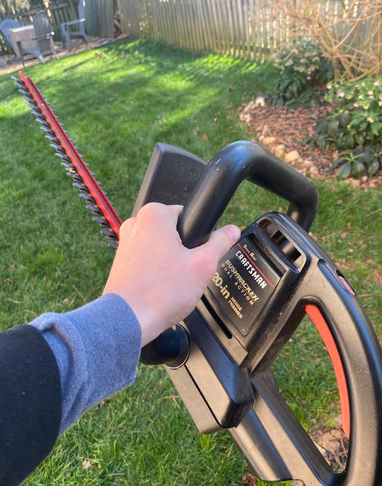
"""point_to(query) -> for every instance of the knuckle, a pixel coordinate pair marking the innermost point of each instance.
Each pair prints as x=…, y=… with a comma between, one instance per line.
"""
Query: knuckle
x=149, y=210
x=126, y=227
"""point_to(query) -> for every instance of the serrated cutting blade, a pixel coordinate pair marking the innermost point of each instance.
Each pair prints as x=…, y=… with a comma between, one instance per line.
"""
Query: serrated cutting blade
x=98, y=203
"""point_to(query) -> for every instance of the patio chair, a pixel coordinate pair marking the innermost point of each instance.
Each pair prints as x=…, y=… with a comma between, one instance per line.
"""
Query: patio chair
x=44, y=38
x=7, y=24
x=67, y=33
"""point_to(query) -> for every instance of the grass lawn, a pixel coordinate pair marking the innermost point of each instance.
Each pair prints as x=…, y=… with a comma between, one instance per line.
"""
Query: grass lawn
x=117, y=103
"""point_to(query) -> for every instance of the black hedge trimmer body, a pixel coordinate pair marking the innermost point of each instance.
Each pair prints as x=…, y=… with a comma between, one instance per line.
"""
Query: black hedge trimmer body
x=220, y=356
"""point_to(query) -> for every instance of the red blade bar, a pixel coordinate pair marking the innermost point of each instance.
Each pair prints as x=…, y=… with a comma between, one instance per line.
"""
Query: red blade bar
x=96, y=192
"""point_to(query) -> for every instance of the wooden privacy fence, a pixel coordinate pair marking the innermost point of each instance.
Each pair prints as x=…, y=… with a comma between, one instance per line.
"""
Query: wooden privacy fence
x=245, y=28
x=99, y=17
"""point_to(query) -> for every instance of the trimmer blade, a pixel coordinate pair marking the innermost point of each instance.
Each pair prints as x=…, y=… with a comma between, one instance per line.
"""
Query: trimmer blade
x=71, y=160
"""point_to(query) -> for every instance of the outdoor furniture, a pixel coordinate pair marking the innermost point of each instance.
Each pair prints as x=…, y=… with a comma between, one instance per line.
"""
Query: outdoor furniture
x=5, y=27
x=43, y=39
x=21, y=34
x=65, y=27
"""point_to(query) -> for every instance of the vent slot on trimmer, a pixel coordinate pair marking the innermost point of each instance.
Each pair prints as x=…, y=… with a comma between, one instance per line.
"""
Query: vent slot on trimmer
x=274, y=233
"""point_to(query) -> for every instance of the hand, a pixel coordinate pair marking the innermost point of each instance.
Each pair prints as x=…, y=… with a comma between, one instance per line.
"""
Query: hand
x=158, y=277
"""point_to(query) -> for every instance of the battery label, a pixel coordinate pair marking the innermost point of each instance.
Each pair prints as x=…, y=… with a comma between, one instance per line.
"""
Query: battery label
x=243, y=284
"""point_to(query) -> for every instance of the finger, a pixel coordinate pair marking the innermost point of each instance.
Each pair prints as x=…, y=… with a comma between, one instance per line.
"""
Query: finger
x=222, y=240
x=174, y=211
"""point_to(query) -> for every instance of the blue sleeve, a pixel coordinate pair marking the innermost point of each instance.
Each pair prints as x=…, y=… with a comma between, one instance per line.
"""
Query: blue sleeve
x=97, y=348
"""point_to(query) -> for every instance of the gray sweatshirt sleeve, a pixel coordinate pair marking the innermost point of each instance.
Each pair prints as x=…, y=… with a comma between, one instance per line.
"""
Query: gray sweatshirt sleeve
x=97, y=348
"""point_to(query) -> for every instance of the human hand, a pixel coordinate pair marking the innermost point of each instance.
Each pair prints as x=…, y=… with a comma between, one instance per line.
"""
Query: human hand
x=158, y=277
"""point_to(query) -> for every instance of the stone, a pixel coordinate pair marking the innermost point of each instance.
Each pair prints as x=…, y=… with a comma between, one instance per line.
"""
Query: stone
x=291, y=156
x=374, y=183
x=269, y=140
x=249, y=107
x=246, y=118
x=314, y=172
x=280, y=151
x=354, y=182
x=259, y=101
x=308, y=163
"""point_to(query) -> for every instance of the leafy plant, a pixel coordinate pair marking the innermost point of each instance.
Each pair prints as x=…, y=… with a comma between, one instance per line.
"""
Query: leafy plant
x=303, y=73
x=358, y=109
x=359, y=162
x=354, y=127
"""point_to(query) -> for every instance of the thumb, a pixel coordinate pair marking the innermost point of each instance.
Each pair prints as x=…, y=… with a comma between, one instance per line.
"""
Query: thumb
x=222, y=240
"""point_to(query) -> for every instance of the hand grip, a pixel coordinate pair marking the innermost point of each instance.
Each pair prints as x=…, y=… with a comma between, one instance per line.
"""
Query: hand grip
x=219, y=181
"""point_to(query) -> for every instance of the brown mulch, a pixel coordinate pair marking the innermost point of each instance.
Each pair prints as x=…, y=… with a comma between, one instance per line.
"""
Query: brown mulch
x=275, y=127
x=333, y=445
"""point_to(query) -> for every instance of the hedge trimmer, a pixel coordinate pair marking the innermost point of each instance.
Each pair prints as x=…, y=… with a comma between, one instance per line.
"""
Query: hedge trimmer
x=220, y=356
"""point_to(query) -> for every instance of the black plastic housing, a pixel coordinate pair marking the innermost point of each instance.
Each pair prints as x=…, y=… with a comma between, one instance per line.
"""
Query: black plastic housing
x=225, y=382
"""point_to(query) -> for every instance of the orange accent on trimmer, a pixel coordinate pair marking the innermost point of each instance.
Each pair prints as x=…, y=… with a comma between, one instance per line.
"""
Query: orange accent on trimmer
x=319, y=321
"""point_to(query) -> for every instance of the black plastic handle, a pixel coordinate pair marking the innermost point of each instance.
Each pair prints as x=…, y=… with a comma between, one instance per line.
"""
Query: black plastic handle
x=227, y=169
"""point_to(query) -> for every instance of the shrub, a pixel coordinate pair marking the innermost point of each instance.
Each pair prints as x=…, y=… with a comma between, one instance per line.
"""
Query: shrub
x=359, y=106
x=303, y=73
x=354, y=127
x=359, y=161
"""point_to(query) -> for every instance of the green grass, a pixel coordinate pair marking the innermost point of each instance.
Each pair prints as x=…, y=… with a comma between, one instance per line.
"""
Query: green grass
x=117, y=103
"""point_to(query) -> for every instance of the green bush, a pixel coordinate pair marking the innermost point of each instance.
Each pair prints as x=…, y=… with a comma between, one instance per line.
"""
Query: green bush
x=359, y=161
x=354, y=127
x=303, y=73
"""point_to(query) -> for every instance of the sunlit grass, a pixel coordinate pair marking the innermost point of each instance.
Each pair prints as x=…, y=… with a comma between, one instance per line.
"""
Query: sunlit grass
x=117, y=103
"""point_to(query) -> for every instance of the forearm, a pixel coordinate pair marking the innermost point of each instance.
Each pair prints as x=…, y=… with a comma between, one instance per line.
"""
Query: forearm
x=97, y=348
x=54, y=369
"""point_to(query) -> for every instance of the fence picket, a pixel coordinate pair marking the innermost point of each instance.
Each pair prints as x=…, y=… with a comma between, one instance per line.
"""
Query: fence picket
x=207, y=24
x=179, y=23
x=223, y=26
x=253, y=29
x=241, y=31
x=186, y=26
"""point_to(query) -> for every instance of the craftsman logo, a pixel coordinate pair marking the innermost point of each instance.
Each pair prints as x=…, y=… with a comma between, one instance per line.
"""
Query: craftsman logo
x=243, y=283
x=251, y=269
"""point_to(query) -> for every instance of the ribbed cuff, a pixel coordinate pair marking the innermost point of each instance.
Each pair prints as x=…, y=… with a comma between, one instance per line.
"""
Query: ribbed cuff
x=97, y=348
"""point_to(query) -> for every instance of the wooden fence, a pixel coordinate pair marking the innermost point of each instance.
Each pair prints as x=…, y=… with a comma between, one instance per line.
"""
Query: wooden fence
x=99, y=17
x=245, y=28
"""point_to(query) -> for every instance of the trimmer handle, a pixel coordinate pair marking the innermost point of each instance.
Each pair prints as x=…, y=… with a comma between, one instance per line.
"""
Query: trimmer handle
x=219, y=181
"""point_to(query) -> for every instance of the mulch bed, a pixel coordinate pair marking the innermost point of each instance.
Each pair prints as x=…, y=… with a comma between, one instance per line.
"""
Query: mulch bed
x=275, y=127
